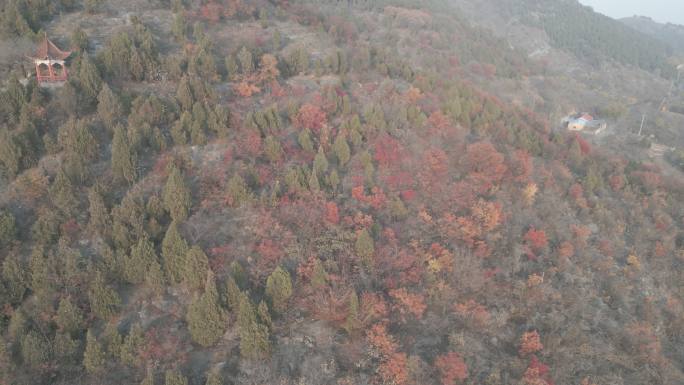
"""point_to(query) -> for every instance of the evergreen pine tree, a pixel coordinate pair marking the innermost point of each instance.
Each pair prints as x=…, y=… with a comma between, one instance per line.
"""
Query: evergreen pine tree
x=231, y=294
x=279, y=289
x=63, y=195
x=15, y=277
x=124, y=161
x=238, y=272
x=93, y=357
x=42, y=273
x=314, y=184
x=181, y=129
x=232, y=68
x=205, y=317
x=112, y=341
x=69, y=317
x=149, y=378
x=155, y=278
x=100, y=220
x=65, y=348
x=254, y=339
x=35, y=350
x=246, y=61
x=320, y=164
x=184, y=94
x=238, y=191
x=108, y=106
x=214, y=378
x=273, y=149
x=176, y=196
x=174, y=251
x=174, y=377
x=10, y=154
x=138, y=264
x=334, y=180
x=79, y=40
x=364, y=246
x=12, y=99
x=197, y=135
x=305, y=141
x=104, y=301
x=18, y=325
x=179, y=27
x=342, y=151
x=196, y=268
x=130, y=349
x=89, y=79
x=91, y=6
x=264, y=314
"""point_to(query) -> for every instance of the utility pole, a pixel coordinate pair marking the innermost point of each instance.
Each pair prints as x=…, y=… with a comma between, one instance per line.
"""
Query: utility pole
x=643, y=119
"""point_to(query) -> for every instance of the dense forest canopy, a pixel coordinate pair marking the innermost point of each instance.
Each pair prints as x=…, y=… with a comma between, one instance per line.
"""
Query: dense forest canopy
x=322, y=192
x=671, y=34
x=592, y=36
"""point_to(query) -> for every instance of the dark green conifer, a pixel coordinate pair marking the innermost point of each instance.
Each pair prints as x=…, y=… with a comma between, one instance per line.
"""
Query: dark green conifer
x=132, y=344
x=174, y=377
x=254, y=339
x=89, y=79
x=104, y=301
x=174, y=252
x=124, y=161
x=63, y=194
x=279, y=289
x=364, y=246
x=8, y=230
x=206, y=319
x=15, y=277
x=141, y=260
x=196, y=268
x=342, y=151
x=108, y=106
x=94, y=359
x=69, y=317
x=177, y=196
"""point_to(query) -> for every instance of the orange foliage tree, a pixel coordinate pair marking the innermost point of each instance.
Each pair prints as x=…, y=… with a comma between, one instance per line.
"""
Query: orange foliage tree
x=268, y=72
x=537, y=373
x=451, y=367
x=332, y=214
x=485, y=165
x=471, y=310
x=311, y=117
x=407, y=303
x=393, y=368
x=246, y=89
x=536, y=239
x=530, y=343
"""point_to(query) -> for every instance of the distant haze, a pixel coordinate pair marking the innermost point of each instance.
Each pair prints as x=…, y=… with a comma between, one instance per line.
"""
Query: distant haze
x=664, y=11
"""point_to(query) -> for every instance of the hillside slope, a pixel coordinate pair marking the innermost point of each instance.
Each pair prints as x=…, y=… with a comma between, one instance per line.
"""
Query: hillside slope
x=323, y=192
x=670, y=34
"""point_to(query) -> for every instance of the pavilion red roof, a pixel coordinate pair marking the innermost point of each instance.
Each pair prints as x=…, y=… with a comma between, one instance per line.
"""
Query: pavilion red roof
x=48, y=50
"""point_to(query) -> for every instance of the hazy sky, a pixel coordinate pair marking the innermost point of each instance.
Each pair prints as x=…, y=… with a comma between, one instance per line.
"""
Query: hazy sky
x=660, y=10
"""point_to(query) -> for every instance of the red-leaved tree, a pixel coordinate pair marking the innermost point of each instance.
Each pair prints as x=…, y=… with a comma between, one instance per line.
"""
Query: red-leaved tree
x=311, y=117
x=530, y=343
x=536, y=239
x=452, y=369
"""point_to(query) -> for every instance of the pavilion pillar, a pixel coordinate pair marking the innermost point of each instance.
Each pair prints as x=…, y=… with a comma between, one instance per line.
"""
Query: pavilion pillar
x=37, y=64
x=52, y=72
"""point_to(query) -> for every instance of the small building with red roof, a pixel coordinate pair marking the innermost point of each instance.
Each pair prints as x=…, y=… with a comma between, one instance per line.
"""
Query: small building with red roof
x=50, y=62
